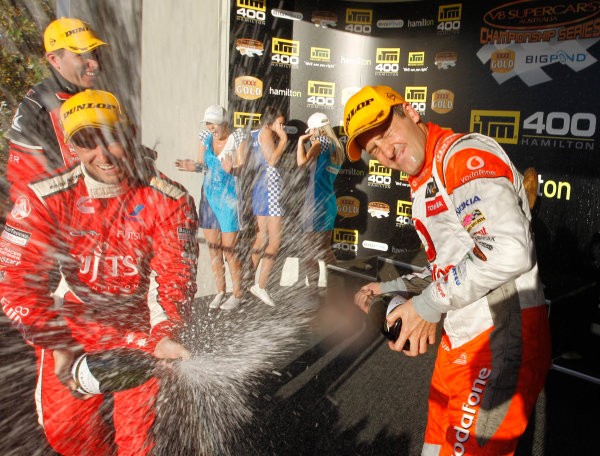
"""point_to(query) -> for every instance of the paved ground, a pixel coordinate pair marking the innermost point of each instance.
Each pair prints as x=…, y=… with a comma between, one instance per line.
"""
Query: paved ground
x=340, y=391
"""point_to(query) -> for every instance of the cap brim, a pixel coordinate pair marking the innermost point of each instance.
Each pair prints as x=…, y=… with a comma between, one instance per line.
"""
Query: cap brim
x=353, y=150
x=86, y=49
x=98, y=126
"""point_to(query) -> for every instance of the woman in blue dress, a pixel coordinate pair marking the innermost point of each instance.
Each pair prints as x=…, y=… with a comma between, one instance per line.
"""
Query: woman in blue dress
x=323, y=159
x=220, y=155
x=268, y=145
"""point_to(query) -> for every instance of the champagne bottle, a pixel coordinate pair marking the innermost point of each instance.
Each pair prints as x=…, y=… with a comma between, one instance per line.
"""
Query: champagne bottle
x=381, y=305
x=112, y=370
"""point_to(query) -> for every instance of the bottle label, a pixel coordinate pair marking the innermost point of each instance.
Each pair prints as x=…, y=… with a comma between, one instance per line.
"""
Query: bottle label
x=86, y=382
x=395, y=302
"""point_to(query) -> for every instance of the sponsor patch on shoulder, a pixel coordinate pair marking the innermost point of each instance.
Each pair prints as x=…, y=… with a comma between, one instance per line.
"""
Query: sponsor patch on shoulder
x=15, y=236
x=435, y=206
x=185, y=234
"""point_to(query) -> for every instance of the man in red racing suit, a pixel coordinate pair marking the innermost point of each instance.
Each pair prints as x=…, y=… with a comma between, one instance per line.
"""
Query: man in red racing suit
x=126, y=248
x=36, y=139
x=470, y=210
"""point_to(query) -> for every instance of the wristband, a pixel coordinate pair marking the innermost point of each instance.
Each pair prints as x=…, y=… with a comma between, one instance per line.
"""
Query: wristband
x=199, y=168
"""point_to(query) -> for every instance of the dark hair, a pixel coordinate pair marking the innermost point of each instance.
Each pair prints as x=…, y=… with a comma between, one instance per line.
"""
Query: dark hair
x=270, y=115
x=399, y=110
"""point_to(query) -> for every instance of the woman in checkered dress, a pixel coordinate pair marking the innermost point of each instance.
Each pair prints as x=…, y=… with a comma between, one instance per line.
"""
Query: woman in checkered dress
x=268, y=145
x=322, y=159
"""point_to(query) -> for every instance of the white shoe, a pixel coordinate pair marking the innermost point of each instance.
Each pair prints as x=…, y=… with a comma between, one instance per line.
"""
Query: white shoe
x=217, y=300
x=261, y=294
x=232, y=302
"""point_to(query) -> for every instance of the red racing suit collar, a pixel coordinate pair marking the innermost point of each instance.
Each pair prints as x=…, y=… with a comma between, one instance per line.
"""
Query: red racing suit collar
x=435, y=136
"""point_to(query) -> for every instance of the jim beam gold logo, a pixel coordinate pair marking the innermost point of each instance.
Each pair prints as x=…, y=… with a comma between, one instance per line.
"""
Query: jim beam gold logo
x=251, y=11
x=387, y=61
x=417, y=97
x=246, y=119
x=404, y=213
x=249, y=47
x=345, y=240
x=321, y=94
x=359, y=20
x=379, y=175
x=445, y=59
x=442, y=101
x=449, y=17
x=285, y=52
x=324, y=19
x=503, y=126
x=319, y=54
x=502, y=61
x=377, y=209
x=248, y=87
x=348, y=206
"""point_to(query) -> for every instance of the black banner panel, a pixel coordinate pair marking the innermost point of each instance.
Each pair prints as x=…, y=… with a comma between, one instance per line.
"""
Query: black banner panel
x=523, y=72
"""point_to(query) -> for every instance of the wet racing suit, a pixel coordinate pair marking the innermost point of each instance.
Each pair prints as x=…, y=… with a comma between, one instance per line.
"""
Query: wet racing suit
x=36, y=139
x=127, y=254
x=471, y=213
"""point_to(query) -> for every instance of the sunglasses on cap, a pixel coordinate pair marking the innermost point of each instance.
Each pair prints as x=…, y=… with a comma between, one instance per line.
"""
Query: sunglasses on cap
x=90, y=138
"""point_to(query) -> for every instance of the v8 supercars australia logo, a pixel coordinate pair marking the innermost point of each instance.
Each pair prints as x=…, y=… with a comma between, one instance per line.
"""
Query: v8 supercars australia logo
x=564, y=28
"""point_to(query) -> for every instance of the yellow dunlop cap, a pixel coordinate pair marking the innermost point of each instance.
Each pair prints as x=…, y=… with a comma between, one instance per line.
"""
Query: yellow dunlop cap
x=366, y=109
x=92, y=109
x=71, y=34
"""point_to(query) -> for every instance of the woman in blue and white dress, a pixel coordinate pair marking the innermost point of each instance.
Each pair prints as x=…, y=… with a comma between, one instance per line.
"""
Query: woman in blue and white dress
x=220, y=155
x=323, y=159
x=268, y=145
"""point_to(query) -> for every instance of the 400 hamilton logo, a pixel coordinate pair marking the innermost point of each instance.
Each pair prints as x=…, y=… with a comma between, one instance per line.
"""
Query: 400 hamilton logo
x=246, y=119
x=285, y=52
x=359, y=20
x=417, y=97
x=253, y=11
x=345, y=240
x=559, y=130
x=449, y=17
x=404, y=213
x=387, y=61
x=321, y=94
x=379, y=175
x=503, y=126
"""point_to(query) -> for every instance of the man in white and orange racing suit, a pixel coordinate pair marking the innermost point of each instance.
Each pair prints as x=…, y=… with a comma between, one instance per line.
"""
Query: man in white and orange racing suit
x=124, y=238
x=471, y=212
x=36, y=139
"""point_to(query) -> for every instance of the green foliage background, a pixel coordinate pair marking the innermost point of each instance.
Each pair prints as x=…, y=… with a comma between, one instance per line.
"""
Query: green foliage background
x=22, y=61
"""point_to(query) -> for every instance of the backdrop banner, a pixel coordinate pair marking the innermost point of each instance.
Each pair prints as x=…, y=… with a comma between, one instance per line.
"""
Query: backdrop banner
x=522, y=72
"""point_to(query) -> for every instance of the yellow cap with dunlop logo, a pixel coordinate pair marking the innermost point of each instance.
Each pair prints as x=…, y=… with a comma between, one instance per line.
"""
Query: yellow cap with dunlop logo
x=71, y=34
x=366, y=109
x=92, y=109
